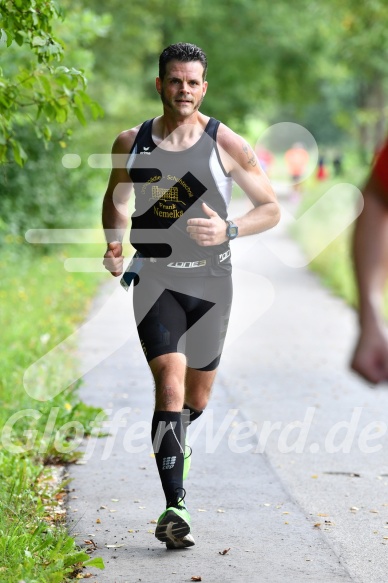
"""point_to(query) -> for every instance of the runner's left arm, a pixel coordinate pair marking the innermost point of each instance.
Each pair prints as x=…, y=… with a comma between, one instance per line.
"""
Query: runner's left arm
x=241, y=162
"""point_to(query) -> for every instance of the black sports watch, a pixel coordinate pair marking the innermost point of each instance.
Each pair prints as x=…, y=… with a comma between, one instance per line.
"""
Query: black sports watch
x=231, y=230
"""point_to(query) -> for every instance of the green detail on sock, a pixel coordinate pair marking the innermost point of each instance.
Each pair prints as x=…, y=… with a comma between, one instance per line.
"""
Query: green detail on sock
x=187, y=459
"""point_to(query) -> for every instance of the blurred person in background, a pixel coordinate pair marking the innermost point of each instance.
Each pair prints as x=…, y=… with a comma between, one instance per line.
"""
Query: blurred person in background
x=322, y=172
x=296, y=159
x=337, y=164
x=265, y=158
x=370, y=251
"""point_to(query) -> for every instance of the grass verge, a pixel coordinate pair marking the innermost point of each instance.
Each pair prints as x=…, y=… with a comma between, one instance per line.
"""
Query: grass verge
x=334, y=263
x=41, y=305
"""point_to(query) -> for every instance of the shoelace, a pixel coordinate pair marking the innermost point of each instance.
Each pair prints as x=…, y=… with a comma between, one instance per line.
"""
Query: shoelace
x=177, y=501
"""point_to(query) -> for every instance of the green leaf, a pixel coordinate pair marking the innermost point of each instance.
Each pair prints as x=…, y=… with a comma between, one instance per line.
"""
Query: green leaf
x=38, y=41
x=18, y=152
x=19, y=38
x=3, y=153
x=62, y=69
x=3, y=37
x=97, y=110
x=61, y=115
x=80, y=115
x=47, y=133
x=45, y=84
x=96, y=562
x=75, y=558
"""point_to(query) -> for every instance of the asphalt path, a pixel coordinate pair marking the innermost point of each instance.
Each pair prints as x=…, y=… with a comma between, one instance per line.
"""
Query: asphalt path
x=289, y=477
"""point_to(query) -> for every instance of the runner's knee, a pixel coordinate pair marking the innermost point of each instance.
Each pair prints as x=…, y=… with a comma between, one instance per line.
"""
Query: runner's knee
x=169, y=393
x=197, y=402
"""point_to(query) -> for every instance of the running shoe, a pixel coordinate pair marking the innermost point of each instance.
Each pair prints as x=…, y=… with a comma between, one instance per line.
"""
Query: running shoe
x=173, y=525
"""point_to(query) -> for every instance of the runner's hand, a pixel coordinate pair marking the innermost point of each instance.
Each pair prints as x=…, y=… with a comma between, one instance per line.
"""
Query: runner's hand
x=113, y=258
x=370, y=358
x=206, y=232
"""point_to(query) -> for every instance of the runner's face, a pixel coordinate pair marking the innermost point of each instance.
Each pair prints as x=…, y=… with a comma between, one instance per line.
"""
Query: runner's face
x=183, y=88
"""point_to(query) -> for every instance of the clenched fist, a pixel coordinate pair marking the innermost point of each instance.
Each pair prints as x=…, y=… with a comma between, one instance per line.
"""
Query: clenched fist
x=113, y=258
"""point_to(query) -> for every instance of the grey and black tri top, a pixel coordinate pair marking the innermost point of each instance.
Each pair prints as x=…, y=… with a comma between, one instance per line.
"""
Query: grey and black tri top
x=169, y=189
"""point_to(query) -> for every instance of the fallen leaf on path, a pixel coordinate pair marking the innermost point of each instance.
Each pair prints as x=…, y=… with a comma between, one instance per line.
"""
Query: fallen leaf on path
x=224, y=551
x=98, y=521
x=115, y=500
x=354, y=509
x=103, y=507
x=317, y=524
x=201, y=510
x=114, y=546
x=153, y=522
x=315, y=476
x=322, y=514
x=196, y=578
x=220, y=510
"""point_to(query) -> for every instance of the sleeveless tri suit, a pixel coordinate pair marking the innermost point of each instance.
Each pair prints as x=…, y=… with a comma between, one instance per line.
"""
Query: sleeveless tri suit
x=183, y=295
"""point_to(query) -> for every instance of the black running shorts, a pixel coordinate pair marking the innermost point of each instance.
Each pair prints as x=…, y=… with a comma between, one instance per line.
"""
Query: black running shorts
x=189, y=315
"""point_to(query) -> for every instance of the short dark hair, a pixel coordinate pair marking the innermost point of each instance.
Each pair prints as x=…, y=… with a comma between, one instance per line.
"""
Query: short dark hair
x=184, y=52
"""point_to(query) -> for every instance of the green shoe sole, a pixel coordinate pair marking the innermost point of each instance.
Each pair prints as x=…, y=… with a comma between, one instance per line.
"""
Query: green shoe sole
x=171, y=527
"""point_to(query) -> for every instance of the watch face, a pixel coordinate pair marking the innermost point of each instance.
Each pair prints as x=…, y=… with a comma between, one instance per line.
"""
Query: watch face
x=232, y=230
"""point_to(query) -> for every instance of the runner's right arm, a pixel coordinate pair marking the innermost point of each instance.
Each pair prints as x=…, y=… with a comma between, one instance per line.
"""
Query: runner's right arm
x=115, y=204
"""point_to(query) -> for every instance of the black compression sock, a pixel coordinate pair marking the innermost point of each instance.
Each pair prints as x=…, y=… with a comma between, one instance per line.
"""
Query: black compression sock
x=189, y=415
x=167, y=439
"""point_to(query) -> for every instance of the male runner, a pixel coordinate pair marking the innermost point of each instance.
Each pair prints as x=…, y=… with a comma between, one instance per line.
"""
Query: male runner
x=181, y=166
x=370, y=358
